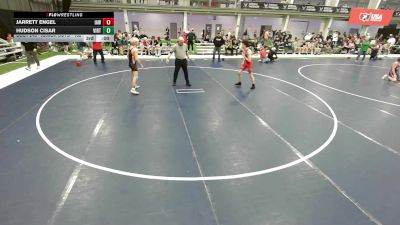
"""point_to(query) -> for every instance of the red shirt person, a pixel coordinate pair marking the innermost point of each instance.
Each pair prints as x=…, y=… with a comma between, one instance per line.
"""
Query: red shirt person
x=97, y=48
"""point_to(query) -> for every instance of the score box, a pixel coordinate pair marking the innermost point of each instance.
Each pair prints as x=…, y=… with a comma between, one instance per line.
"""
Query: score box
x=104, y=38
x=108, y=30
x=108, y=21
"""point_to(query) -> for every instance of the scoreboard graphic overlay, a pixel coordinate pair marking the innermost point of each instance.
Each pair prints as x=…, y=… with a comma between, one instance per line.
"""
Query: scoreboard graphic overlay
x=64, y=27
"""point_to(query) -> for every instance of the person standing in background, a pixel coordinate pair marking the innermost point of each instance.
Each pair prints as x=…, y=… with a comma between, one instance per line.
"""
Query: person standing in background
x=97, y=48
x=31, y=54
x=80, y=46
x=191, y=38
x=146, y=47
x=184, y=37
x=218, y=42
x=266, y=41
x=157, y=48
x=365, y=45
x=391, y=41
x=335, y=38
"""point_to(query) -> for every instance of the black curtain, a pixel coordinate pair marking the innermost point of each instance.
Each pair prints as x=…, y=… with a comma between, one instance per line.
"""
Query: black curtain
x=6, y=22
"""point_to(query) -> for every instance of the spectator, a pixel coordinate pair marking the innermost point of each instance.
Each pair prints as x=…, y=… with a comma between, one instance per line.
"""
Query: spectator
x=348, y=46
x=80, y=46
x=145, y=48
x=307, y=47
x=118, y=35
x=166, y=33
x=335, y=38
x=287, y=44
x=142, y=36
x=218, y=43
x=153, y=45
x=10, y=39
x=232, y=45
x=184, y=34
x=308, y=37
x=391, y=42
x=317, y=48
x=380, y=37
x=191, y=37
x=157, y=47
x=357, y=41
x=328, y=46
x=207, y=38
x=116, y=45
x=329, y=37
x=320, y=35
x=341, y=39
x=311, y=47
x=245, y=36
x=31, y=54
x=368, y=36
x=66, y=48
x=297, y=46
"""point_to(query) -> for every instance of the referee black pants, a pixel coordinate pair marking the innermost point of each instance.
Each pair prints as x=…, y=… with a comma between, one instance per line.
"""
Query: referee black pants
x=95, y=55
x=178, y=64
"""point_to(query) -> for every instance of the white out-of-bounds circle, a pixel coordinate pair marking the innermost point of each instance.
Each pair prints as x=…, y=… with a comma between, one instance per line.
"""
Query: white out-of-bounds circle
x=339, y=90
x=169, y=178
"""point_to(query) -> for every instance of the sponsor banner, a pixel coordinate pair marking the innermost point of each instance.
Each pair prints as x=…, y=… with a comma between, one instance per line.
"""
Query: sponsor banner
x=272, y=6
x=342, y=10
x=252, y=5
x=294, y=7
x=308, y=8
x=326, y=9
x=376, y=17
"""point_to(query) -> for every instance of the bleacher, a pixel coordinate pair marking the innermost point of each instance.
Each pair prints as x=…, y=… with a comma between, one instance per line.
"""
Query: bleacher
x=9, y=52
x=205, y=48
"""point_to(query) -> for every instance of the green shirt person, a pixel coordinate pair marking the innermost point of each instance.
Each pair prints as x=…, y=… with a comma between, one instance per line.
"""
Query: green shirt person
x=365, y=45
x=267, y=43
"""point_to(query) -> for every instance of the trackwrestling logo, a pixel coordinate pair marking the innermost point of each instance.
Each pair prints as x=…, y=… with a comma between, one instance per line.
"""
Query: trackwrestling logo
x=370, y=17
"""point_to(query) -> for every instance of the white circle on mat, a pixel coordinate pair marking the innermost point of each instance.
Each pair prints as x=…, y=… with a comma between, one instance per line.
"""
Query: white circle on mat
x=171, y=178
x=339, y=90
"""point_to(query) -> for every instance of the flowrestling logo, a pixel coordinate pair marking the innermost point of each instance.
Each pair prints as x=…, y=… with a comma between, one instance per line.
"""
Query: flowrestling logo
x=370, y=16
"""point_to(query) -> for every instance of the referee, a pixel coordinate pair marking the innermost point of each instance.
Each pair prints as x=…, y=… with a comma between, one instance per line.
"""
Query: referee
x=181, y=58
